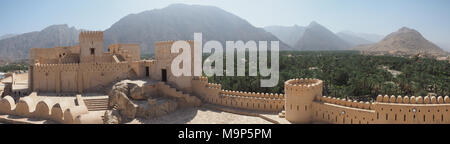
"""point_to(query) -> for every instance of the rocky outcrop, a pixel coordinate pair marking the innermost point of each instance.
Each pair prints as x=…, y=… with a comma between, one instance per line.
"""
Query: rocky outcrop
x=156, y=107
x=132, y=98
x=112, y=117
x=126, y=107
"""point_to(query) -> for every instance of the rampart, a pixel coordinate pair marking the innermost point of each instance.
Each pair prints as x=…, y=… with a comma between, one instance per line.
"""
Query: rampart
x=213, y=93
x=35, y=107
x=385, y=110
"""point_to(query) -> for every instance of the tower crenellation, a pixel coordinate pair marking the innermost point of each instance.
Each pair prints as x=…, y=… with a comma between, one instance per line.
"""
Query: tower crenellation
x=299, y=96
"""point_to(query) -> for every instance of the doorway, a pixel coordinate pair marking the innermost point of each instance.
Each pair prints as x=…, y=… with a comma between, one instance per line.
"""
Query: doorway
x=147, y=71
x=164, y=75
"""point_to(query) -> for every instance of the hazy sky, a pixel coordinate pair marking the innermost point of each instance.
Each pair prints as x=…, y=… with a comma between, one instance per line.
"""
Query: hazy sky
x=430, y=17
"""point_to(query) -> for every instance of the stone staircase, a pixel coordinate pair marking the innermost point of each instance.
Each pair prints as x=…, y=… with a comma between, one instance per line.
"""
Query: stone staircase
x=96, y=104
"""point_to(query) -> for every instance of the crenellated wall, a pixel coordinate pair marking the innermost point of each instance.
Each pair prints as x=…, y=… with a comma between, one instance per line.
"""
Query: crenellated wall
x=386, y=109
x=213, y=93
x=71, y=78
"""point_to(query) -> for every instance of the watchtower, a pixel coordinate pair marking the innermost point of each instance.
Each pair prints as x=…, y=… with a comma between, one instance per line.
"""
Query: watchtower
x=300, y=94
x=91, y=46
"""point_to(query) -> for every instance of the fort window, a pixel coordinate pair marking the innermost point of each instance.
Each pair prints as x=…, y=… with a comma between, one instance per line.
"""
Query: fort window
x=424, y=118
x=147, y=71
x=395, y=117
x=92, y=51
x=164, y=75
x=433, y=117
x=442, y=117
x=404, y=117
x=387, y=116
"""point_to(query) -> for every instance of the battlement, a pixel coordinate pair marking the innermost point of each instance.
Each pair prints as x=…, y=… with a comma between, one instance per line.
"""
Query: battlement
x=91, y=35
x=253, y=94
x=214, y=86
x=413, y=99
x=303, y=84
x=345, y=102
x=171, y=41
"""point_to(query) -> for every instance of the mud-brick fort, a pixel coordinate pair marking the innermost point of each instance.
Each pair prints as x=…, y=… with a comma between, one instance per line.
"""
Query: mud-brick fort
x=84, y=84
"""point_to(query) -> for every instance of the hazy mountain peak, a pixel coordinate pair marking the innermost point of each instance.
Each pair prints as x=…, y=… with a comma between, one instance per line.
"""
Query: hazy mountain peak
x=7, y=36
x=18, y=47
x=288, y=34
x=405, y=40
x=353, y=38
x=317, y=37
x=180, y=22
x=314, y=24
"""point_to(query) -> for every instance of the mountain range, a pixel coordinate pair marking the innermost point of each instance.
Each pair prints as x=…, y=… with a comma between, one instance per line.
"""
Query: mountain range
x=180, y=22
x=175, y=22
x=318, y=37
x=17, y=47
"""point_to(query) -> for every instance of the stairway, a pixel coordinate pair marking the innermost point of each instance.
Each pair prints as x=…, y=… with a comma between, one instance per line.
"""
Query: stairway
x=96, y=104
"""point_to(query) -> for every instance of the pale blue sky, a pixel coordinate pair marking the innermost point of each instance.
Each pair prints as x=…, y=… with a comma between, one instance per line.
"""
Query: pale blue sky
x=430, y=17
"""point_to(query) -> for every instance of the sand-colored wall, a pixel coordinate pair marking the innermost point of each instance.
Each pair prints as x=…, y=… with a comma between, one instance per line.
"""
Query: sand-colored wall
x=32, y=106
x=386, y=109
x=300, y=94
x=213, y=93
x=164, y=59
x=76, y=77
x=335, y=110
x=130, y=52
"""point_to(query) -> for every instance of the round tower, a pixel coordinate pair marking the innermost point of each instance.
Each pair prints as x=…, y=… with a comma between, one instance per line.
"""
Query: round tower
x=299, y=95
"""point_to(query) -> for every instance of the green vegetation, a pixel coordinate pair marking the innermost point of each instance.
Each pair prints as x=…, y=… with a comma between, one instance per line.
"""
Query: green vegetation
x=349, y=74
x=13, y=67
x=147, y=56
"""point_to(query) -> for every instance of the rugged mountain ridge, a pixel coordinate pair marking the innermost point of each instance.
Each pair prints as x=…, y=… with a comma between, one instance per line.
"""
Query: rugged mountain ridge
x=180, y=22
x=17, y=47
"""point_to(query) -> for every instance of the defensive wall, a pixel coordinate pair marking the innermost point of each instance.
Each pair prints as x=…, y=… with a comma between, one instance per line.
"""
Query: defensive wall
x=67, y=112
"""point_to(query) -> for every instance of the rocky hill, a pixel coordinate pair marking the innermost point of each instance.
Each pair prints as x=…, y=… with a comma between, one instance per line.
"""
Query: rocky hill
x=317, y=37
x=405, y=41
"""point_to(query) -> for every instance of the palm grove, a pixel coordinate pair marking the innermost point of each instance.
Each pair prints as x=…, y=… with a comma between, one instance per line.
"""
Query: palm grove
x=348, y=74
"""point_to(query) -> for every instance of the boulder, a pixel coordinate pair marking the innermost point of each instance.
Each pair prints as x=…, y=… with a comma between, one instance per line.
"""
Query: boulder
x=137, y=92
x=112, y=117
x=125, y=106
x=156, y=108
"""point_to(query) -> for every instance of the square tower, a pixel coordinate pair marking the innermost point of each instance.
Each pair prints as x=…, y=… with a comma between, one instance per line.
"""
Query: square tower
x=91, y=46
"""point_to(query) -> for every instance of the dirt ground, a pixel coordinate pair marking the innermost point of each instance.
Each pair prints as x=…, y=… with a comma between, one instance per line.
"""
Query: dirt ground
x=202, y=115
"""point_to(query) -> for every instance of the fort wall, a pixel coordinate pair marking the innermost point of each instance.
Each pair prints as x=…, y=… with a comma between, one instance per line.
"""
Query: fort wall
x=33, y=106
x=213, y=93
x=73, y=78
